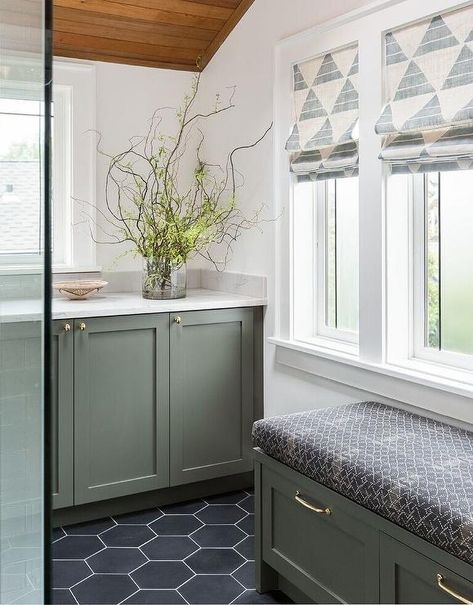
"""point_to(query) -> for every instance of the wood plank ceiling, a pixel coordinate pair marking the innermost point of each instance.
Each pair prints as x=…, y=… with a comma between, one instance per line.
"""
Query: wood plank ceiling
x=175, y=34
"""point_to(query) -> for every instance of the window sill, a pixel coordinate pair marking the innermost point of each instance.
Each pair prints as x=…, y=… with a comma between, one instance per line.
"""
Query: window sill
x=58, y=269
x=447, y=396
x=330, y=346
x=38, y=269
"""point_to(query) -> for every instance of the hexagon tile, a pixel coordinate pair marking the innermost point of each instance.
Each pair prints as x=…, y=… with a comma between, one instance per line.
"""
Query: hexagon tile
x=200, y=551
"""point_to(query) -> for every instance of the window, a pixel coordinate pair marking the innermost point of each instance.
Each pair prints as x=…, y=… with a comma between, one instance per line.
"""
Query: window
x=396, y=292
x=339, y=234
x=20, y=187
x=323, y=148
x=443, y=257
x=73, y=160
x=326, y=261
x=20, y=155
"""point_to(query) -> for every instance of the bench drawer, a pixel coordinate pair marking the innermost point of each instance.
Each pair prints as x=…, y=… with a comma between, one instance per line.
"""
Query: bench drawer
x=332, y=557
x=410, y=577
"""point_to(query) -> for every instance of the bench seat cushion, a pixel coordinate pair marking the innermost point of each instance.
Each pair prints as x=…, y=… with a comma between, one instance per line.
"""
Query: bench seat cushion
x=414, y=471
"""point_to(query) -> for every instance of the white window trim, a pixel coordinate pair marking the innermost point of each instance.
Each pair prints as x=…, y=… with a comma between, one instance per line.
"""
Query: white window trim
x=342, y=340
x=420, y=351
x=80, y=79
x=309, y=284
x=75, y=90
x=62, y=186
x=376, y=19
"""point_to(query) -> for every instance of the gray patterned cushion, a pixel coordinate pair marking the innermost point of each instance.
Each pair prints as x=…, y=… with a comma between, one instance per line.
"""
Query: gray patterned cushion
x=414, y=471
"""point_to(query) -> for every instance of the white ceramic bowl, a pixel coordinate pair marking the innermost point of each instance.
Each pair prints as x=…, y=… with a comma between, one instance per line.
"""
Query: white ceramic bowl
x=80, y=289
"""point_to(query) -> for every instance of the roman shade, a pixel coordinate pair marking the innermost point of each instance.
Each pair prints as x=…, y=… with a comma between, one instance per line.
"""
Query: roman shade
x=427, y=122
x=323, y=143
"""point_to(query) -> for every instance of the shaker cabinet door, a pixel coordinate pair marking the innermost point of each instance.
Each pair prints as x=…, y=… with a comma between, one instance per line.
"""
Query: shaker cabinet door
x=62, y=414
x=408, y=576
x=211, y=391
x=121, y=406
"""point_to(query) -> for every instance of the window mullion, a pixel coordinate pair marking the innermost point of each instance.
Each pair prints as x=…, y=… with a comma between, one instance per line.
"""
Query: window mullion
x=335, y=201
x=439, y=254
x=371, y=206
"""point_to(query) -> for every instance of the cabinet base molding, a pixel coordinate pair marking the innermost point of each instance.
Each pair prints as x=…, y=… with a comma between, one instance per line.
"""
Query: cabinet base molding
x=138, y=502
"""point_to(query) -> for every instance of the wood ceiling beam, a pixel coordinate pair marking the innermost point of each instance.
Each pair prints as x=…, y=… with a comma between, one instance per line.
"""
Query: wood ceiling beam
x=115, y=31
x=86, y=18
x=225, y=31
x=183, y=7
x=126, y=60
x=132, y=12
x=173, y=33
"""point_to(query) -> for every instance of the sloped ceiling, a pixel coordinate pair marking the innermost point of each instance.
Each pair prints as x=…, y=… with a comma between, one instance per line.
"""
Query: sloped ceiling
x=175, y=34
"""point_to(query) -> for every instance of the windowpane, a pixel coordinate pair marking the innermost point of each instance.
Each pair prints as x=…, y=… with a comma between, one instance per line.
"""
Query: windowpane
x=347, y=254
x=341, y=255
x=331, y=256
x=20, y=187
x=456, y=261
x=432, y=261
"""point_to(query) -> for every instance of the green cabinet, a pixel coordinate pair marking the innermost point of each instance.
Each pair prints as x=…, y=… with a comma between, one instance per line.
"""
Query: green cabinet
x=309, y=538
x=62, y=410
x=121, y=406
x=211, y=394
x=408, y=576
x=150, y=401
x=318, y=546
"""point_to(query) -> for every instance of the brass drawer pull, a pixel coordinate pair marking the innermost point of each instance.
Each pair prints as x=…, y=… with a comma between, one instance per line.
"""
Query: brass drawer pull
x=441, y=584
x=178, y=319
x=314, y=509
x=82, y=327
x=67, y=327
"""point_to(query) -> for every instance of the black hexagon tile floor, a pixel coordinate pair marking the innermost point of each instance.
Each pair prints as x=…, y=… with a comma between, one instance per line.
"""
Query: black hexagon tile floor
x=200, y=551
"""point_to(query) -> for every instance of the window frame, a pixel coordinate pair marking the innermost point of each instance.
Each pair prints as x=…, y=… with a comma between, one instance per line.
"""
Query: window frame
x=385, y=352
x=336, y=335
x=80, y=79
x=13, y=260
x=309, y=276
x=418, y=286
x=74, y=160
x=62, y=181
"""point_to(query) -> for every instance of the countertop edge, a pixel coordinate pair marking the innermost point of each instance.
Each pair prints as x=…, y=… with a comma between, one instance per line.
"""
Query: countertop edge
x=125, y=304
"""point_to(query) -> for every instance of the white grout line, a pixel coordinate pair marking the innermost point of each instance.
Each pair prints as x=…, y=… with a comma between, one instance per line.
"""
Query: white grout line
x=241, y=593
x=80, y=581
x=129, y=596
x=187, y=565
x=242, y=565
x=86, y=562
x=237, y=580
x=188, y=580
x=156, y=534
x=181, y=595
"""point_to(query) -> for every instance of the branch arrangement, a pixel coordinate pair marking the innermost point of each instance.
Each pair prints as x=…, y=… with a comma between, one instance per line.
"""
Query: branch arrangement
x=164, y=221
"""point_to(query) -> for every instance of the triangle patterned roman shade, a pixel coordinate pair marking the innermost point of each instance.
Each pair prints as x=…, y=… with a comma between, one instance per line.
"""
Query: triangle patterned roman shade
x=427, y=123
x=323, y=143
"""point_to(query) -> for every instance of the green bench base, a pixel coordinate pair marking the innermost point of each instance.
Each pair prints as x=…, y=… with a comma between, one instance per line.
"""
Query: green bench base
x=324, y=548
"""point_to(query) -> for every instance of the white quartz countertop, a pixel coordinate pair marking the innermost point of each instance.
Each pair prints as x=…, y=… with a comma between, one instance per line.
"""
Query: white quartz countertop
x=110, y=304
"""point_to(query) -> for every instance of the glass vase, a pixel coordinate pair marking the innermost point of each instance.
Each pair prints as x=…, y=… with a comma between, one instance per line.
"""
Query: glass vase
x=163, y=279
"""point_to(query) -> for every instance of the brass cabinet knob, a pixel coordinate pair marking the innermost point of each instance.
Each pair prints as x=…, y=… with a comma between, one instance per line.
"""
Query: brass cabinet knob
x=82, y=327
x=67, y=327
x=178, y=319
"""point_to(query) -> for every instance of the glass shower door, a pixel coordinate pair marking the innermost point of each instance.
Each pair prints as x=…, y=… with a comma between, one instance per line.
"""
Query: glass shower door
x=24, y=300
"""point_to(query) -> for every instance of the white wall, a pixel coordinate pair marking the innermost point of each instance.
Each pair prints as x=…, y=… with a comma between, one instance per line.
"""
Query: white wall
x=246, y=60
x=127, y=97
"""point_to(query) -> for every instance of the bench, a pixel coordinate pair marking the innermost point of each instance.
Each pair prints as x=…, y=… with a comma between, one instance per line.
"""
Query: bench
x=364, y=503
